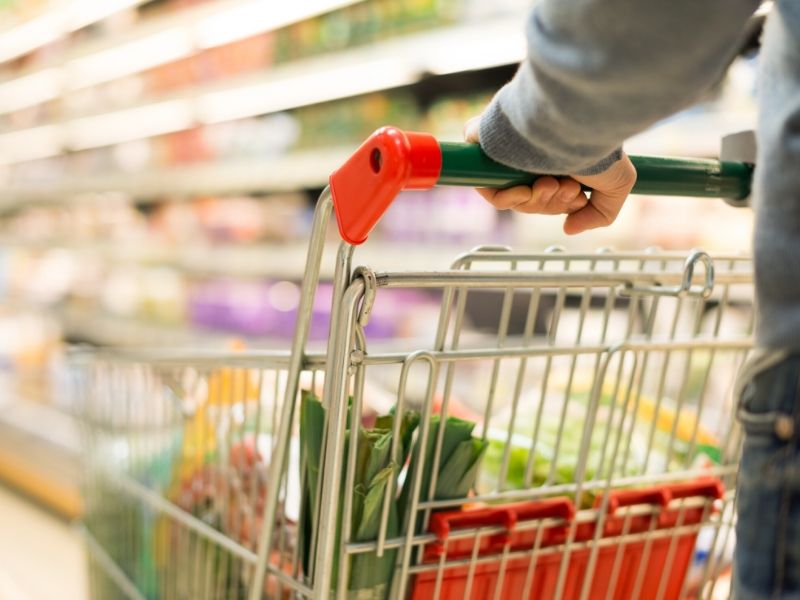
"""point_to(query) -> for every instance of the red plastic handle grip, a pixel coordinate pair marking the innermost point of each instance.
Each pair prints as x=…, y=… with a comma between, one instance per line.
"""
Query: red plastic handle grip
x=551, y=508
x=443, y=523
x=507, y=517
x=708, y=487
x=621, y=498
x=388, y=162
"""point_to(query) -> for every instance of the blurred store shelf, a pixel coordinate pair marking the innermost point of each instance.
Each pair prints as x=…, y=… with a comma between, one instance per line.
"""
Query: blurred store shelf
x=148, y=44
x=39, y=453
x=694, y=135
x=307, y=169
x=379, y=66
x=100, y=329
x=54, y=20
x=277, y=260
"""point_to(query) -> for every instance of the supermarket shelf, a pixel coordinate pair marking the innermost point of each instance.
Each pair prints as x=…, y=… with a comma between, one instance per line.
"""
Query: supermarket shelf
x=690, y=134
x=285, y=260
x=288, y=261
x=54, y=21
x=694, y=132
x=39, y=454
x=112, y=333
x=304, y=169
x=380, y=66
x=108, y=330
x=147, y=45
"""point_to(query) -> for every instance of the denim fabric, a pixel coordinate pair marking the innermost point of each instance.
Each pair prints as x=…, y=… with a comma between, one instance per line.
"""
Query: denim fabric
x=767, y=556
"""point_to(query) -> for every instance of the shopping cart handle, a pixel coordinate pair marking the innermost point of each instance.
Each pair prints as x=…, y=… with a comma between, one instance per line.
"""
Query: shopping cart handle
x=391, y=160
x=468, y=164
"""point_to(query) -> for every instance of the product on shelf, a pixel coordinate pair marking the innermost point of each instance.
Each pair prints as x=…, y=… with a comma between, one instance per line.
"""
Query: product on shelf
x=361, y=23
x=269, y=308
x=262, y=137
x=457, y=216
x=446, y=116
x=214, y=64
x=334, y=124
x=31, y=355
x=330, y=125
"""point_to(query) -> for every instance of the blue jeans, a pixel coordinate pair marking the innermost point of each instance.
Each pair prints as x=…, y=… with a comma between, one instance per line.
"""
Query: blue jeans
x=767, y=556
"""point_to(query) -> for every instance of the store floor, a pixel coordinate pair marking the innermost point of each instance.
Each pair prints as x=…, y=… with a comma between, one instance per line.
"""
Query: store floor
x=41, y=555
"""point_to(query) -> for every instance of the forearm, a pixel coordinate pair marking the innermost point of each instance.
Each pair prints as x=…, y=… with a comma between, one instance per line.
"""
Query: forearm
x=599, y=71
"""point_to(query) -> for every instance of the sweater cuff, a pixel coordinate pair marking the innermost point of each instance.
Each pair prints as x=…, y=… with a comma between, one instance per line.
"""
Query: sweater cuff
x=503, y=143
x=602, y=165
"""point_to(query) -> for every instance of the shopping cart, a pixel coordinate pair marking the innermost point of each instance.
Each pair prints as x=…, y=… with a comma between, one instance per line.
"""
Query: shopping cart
x=578, y=443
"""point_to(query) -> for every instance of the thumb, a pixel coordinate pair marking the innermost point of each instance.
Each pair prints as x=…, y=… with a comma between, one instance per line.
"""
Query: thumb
x=610, y=189
x=600, y=211
x=472, y=130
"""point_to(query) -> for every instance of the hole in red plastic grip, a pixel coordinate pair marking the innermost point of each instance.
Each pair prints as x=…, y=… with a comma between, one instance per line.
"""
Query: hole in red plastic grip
x=659, y=496
x=707, y=487
x=443, y=523
x=387, y=163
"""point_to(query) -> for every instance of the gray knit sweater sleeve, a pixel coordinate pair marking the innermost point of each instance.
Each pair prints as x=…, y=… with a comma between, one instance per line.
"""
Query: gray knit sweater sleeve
x=599, y=71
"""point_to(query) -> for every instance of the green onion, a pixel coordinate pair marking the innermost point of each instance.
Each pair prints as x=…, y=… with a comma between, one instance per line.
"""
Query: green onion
x=312, y=426
x=458, y=463
x=375, y=476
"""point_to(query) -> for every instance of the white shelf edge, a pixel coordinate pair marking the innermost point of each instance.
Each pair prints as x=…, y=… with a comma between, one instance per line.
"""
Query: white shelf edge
x=28, y=416
x=267, y=260
x=105, y=329
x=302, y=169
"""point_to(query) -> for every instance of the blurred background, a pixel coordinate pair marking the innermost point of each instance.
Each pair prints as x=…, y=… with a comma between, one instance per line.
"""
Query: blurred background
x=159, y=165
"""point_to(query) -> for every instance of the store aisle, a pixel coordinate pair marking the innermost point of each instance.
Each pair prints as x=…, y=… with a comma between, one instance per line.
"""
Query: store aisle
x=41, y=556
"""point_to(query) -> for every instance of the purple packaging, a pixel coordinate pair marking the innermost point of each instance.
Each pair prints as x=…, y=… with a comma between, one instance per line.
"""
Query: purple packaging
x=269, y=309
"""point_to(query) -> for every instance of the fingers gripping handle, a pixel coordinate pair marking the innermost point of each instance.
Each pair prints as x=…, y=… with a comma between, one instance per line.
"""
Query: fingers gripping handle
x=392, y=160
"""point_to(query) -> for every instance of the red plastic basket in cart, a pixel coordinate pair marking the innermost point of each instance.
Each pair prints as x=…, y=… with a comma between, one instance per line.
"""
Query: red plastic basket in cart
x=627, y=564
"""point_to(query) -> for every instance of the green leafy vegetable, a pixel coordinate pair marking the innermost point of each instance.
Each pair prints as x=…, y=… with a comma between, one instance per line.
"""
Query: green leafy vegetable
x=458, y=464
x=376, y=475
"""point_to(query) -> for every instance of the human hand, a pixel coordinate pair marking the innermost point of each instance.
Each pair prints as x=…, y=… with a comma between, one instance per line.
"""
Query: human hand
x=563, y=195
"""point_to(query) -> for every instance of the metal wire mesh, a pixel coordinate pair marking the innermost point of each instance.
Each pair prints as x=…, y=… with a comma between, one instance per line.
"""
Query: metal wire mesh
x=584, y=374
x=177, y=457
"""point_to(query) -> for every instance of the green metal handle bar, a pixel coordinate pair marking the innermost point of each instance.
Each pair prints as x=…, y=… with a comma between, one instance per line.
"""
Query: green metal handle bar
x=468, y=165
x=392, y=160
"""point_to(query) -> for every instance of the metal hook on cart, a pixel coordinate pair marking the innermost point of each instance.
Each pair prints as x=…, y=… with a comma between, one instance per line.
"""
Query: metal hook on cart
x=685, y=287
x=489, y=248
x=370, y=290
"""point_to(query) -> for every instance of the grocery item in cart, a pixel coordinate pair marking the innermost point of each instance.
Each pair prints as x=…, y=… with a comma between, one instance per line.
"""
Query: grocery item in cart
x=376, y=472
x=552, y=430
x=369, y=574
